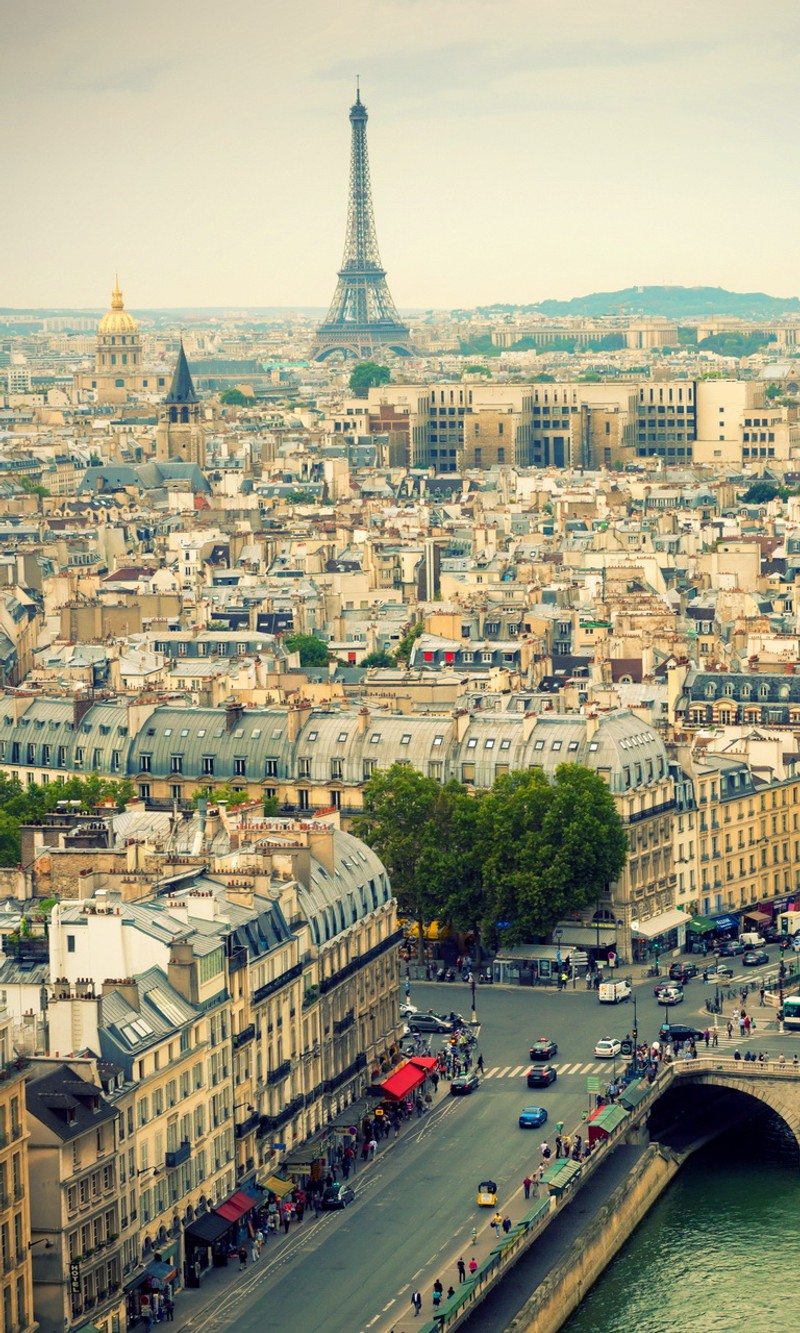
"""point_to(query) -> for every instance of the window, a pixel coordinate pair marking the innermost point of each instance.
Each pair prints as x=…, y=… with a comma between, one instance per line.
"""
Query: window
x=557, y=745
x=312, y=736
x=488, y=744
x=70, y=944
x=573, y=745
x=594, y=745
x=240, y=766
x=538, y=745
x=437, y=740
x=337, y=768
x=472, y=743
x=145, y=765
x=270, y=768
x=208, y=765
x=375, y=738
x=505, y=744
x=176, y=763
x=405, y=739
x=343, y=737
x=304, y=767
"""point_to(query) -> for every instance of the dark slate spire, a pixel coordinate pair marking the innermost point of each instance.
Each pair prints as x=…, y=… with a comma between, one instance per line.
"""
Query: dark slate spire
x=182, y=388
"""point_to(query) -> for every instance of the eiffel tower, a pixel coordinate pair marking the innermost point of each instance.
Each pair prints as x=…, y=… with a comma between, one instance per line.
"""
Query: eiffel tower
x=362, y=320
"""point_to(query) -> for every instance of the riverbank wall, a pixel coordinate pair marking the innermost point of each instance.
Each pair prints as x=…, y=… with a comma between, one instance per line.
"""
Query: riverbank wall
x=566, y=1285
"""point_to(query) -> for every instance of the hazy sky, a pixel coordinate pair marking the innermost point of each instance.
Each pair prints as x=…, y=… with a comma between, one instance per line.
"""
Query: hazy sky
x=519, y=149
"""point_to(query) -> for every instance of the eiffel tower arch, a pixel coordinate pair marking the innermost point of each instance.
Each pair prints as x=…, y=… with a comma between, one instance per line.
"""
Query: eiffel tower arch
x=362, y=321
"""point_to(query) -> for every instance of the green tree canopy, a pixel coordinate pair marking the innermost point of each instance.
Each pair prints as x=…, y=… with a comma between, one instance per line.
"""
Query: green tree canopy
x=407, y=642
x=366, y=375
x=547, y=848
x=29, y=804
x=235, y=398
x=377, y=659
x=311, y=649
x=760, y=493
x=224, y=792
x=476, y=369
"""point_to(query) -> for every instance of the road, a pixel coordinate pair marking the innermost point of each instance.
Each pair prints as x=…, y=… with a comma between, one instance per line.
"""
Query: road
x=415, y=1207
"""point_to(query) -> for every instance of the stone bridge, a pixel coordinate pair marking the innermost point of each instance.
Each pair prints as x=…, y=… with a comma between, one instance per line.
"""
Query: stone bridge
x=775, y=1082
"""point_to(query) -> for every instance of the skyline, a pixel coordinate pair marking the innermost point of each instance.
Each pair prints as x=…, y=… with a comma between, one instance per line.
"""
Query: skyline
x=511, y=160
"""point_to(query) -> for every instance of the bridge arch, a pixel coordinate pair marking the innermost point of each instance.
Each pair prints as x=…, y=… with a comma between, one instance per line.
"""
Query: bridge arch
x=712, y=1086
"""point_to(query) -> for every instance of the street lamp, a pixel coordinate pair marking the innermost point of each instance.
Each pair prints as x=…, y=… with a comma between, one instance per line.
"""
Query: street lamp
x=43, y=1240
x=635, y=1035
x=558, y=935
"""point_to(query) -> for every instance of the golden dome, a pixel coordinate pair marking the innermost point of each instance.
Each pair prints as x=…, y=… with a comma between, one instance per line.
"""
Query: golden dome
x=117, y=320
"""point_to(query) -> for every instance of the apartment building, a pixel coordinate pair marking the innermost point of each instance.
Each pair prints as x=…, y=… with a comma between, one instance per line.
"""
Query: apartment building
x=17, y=1246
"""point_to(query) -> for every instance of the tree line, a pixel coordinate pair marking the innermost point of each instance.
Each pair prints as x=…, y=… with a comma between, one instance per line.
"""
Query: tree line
x=514, y=859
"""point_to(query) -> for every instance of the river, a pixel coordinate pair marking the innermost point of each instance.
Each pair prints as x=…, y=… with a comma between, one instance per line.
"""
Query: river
x=715, y=1253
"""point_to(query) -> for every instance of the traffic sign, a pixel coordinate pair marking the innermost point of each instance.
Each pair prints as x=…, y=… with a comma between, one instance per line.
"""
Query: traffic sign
x=279, y=1147
x=593, y=1084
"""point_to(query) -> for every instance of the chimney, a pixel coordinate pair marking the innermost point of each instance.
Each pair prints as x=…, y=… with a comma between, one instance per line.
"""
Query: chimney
x=80, y=707
x=363, y=720
x=182, y=971
x=297, y=717
x=233, y=713
x=127, y=988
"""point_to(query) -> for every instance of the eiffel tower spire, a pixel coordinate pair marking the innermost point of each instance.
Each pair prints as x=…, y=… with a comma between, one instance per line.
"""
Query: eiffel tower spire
x=362, y=319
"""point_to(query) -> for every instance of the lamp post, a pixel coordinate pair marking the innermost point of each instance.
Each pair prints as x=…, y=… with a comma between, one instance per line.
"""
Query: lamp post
x=558, y=935
x=635, y=1035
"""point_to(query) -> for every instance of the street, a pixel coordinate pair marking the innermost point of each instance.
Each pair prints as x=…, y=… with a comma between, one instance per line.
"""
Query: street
x=415, y=1206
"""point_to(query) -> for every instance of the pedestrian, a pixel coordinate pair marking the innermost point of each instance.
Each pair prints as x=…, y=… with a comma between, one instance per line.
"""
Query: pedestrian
x=462, y=1270
x=706, y=1037
x=243, y=1258
x=729, y=1026
x=438, y=1291
x=480, y=1064
x=761, y=995
x=169, y=1309
x=254, y=1250
x=715, y=1038
x=416, y=1301
x=558, y=1146
x=507, y=1224
x=748, y=1023
x=474, y=1237
x=496, y=1222
x=526, y=1185
x=451, y=1291
x=473, y=1266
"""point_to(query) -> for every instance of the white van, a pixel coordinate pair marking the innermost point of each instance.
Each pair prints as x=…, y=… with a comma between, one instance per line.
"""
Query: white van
x=611, y=992
x=751, y=939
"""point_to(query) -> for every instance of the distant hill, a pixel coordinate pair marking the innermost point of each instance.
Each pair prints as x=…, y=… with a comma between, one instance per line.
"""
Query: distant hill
x=673, y=302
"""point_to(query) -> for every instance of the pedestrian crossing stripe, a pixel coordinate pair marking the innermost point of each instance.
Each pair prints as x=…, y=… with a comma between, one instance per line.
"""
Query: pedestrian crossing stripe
x=511, y=1071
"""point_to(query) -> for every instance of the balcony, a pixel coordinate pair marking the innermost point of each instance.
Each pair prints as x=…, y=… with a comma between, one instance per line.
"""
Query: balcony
x=241, y=1038
x=178, y=1155
x=245, y=1127
x=264, y=992
x=280, y=1072
x=342, y=1024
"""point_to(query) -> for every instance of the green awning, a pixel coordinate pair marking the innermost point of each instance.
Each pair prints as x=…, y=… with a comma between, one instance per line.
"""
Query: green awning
x=608, y=1117
x=635, y=1092
x=701, y=925
x=562, y=1174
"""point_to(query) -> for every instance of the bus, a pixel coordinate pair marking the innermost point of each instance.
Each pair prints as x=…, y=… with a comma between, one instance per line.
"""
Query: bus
x=791, y=1012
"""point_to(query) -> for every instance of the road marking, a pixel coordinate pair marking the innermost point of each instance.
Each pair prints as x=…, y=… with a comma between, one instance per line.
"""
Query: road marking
x=389, y=1304
x=588, y=1069
x=490, y=1073
x=520, y=1069
x=502, y=1073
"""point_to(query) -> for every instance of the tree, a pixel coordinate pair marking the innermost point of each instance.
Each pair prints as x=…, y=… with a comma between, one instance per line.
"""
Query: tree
x=760, y=493
x=235, y=398
x=407, y=642
x=547, y=848
x=476, y=369
x=378, y=659
x=398, y=823
x=29, y=804
x=271, y=807
x=223, y=793
x=366, y=375
x=311, y=649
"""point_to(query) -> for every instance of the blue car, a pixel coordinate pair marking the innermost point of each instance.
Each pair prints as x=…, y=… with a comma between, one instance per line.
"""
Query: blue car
x=530, y=1117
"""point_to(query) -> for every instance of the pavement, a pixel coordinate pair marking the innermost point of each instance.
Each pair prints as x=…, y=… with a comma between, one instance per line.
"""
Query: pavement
x=415, y=1209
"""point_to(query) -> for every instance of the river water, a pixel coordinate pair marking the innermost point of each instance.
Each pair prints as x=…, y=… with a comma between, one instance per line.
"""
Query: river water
x=717, y=1253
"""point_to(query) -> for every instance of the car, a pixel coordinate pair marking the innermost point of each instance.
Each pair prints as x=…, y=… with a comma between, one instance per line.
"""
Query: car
x=772, y=935
x=337, y=1195
x=755, y=958
x=542, y=1076
x=679, y=1032
x=683, y=972
x=531, y=1117
x=428, y=1023
x=487, y=1194
x=730, y=949
x=607, y=1048
x=464, y=1084
x=669, y=994
x=406, y=1010
x=543, y=1049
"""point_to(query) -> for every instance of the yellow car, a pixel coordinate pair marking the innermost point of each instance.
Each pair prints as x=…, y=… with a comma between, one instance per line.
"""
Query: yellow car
x=487, y=1194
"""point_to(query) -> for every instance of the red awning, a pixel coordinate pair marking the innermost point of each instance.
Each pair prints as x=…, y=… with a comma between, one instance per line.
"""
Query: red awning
x=426, y=1062
x=235, y=1207
x=403, y=1081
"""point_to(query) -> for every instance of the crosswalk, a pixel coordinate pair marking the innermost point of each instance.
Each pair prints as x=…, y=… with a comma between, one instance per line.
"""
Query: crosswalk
x=516, y=1071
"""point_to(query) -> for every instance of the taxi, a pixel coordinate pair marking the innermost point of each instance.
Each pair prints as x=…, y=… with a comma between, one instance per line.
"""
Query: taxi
x=487, y=1194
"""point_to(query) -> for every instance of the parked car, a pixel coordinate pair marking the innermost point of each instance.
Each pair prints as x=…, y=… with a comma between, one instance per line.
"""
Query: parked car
x=678, y=1032
x=464, y=1084
x=406, y=1010
x=683, y=972
x=607, y=1048
x=730, y=949
x=541, y=1076
x=755, y=958
x=530, y=1117
x=543, y=1049
x=428, y=1023
x=337, y=1195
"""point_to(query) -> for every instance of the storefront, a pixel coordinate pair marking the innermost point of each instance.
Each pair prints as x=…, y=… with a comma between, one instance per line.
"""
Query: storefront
x=149, y=1291
x=726, y=925
x=661, y=934
x=700, y=934
x=202, y=1239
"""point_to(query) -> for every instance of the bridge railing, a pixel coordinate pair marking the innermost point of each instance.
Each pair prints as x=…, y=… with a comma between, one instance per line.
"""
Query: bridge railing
x=770, y=1066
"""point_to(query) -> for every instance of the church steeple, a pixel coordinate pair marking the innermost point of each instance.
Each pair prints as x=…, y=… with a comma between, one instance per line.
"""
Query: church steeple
x=182, y=389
